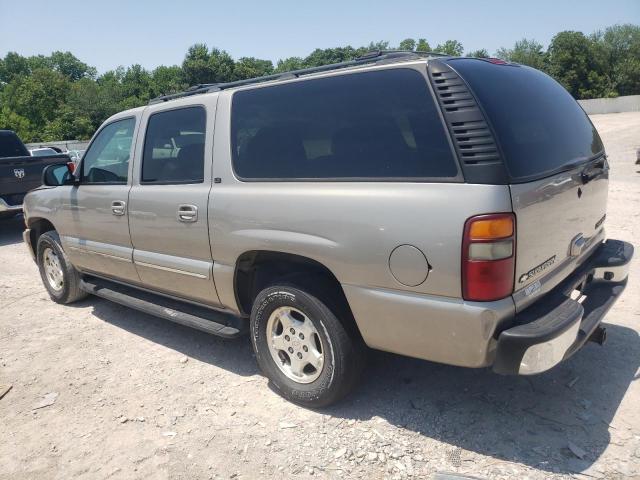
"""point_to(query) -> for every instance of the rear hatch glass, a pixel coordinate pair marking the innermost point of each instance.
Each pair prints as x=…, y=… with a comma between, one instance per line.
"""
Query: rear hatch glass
x=540, y=128
x=559, y=177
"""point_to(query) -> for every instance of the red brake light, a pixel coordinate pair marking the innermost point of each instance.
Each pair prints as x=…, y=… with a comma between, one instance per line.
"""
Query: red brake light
x=488, y=257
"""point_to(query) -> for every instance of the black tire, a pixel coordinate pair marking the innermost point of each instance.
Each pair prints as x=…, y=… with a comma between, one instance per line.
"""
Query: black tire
x=343, y=351
x=70, y=291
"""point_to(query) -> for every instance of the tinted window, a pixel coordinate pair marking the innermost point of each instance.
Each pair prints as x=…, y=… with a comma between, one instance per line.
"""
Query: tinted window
x=174, y=147
x=11, y=146
x=540, y=127
x=107, y=160
x=381, y=124
x=43, y=152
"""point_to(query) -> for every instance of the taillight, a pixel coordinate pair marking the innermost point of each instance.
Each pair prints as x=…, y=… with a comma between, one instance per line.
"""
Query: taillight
x=488, y=257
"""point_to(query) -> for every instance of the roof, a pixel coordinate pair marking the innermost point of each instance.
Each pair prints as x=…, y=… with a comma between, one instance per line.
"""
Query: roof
x=125, y=113
x=371, y=58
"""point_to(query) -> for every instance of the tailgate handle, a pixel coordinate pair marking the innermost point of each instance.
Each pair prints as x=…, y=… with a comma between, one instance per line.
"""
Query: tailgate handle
x=587, y=177
x=599, y=167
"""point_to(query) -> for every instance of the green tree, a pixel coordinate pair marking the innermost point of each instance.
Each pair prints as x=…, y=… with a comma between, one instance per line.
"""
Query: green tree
x=222, y=66
x=621, y=47
x=10, y=120
x=203, y=66
x=166, y=80
x=97, y=100
x=289, y=64
x=195, y=67
x=13, y=65
x=326, y=56
x=110, y=92
x=423, y=45
x=578, y=62
x=86, y=99
x=36, y=97
x=68, y=125
x=379, y=45
x=450, y=47
x=70, y=66
x=525, y=52
x=250, y=67
x=60, y=97
x=407, y=44
x=482, y=53
x=136, y=86
x=36, y=62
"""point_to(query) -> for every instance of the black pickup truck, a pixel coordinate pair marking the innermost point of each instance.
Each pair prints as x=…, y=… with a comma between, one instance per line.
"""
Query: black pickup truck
x=19, y=172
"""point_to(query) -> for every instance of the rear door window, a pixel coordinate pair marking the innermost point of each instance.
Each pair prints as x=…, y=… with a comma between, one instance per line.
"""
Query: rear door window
x=540, y=128
x=373, y=125
x=174, y=147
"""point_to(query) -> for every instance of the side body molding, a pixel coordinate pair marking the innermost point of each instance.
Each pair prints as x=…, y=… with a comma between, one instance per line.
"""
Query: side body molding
x=116, y=252
x=170, y=263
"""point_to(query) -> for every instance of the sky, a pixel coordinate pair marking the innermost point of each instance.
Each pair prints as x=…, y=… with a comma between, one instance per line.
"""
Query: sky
x=106, y=34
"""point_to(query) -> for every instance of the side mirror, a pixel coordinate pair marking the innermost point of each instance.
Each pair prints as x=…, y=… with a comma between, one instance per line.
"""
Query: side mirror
x=58, y=174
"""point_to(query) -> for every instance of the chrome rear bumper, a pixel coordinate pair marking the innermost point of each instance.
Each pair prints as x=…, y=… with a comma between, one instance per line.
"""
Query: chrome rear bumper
x=6, y=208
x=556, y=326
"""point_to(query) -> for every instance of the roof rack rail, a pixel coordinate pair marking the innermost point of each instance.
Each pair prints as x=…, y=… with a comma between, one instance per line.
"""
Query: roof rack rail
x=374, y=56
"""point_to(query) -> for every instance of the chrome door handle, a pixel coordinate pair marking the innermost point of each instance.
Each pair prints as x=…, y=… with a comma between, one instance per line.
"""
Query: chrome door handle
x=187, y=213
x=118, y=207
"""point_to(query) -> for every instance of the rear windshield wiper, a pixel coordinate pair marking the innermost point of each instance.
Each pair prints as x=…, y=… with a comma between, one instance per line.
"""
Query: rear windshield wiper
x=594, y=170
x=583, y=162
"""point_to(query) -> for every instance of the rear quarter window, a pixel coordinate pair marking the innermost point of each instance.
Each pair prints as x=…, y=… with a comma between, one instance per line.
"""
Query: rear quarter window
x=369, y=125
x=539, y=126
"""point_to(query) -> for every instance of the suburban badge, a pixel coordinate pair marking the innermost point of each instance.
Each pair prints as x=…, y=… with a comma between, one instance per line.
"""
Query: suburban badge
x=536, y=270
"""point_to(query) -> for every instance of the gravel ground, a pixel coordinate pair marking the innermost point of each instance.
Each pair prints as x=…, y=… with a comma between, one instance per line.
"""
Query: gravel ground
x=101, y=391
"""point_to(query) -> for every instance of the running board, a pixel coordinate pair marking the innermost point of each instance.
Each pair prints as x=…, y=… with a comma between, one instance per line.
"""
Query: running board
x=201, y=318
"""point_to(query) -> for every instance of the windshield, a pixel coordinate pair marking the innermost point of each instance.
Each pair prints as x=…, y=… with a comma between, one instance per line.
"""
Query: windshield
x=539, y=126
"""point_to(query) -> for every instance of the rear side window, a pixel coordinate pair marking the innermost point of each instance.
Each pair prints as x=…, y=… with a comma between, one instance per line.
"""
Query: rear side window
x=371, y=125
x=538, y=124
x=174, y=147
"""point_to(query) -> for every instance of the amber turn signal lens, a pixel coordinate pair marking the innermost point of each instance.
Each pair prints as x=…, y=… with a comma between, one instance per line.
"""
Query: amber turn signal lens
x=491, y=228
x=488, y=257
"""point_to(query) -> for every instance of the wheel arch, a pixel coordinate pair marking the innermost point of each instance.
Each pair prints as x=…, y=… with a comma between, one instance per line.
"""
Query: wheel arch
x=259, y=269
x=38, y=226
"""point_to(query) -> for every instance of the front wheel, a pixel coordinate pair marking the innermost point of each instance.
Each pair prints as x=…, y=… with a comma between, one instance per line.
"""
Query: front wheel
x=302, y=347
x=59, y=276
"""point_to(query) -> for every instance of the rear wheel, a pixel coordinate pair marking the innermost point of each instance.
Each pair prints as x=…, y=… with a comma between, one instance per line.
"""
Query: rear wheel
x=59, y=276
x=303, y=348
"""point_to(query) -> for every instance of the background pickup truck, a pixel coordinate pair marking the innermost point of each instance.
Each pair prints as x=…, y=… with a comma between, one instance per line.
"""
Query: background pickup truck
x=19, y=172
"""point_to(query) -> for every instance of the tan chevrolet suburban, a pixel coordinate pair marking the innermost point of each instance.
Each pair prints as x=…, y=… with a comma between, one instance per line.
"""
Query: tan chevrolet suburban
x=449, y=209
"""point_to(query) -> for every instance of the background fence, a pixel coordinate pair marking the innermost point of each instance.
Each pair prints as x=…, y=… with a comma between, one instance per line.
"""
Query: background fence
x=63, y=144
x=594, y=106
